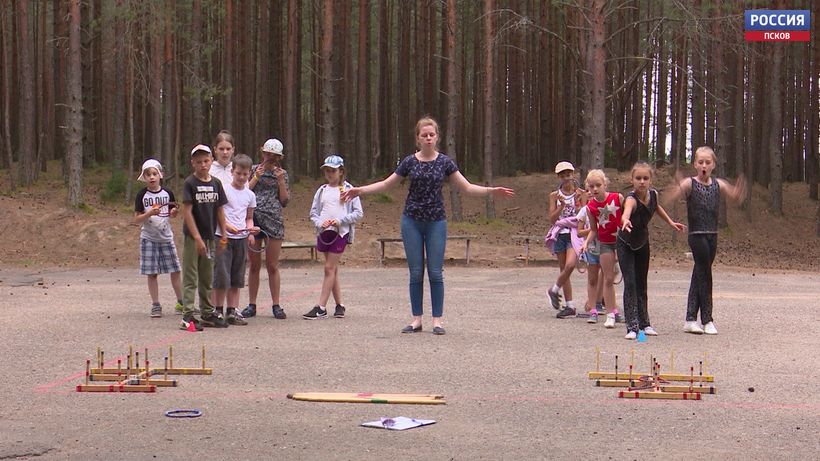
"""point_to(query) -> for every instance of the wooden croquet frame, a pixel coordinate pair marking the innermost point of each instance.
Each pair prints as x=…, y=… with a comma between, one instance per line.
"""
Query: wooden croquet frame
x=653, y=385
x=366, y=397
x=133, y=377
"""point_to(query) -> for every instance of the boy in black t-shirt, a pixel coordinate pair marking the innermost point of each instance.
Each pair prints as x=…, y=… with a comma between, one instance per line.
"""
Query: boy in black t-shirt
x=202, y=201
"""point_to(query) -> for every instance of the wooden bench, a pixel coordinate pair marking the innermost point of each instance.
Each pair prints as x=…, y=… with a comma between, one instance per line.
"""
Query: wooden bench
x=526, y=239
x=467, y=238
x=310, y=246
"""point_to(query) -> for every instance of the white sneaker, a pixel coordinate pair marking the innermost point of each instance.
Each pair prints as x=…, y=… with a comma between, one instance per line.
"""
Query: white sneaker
x=649, y=331
x=710, y=328
x=693, y=327
x=631, y=335
x=610, y=321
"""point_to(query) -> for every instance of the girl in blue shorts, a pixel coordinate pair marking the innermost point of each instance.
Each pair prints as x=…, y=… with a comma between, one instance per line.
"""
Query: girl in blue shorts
x=335, y=226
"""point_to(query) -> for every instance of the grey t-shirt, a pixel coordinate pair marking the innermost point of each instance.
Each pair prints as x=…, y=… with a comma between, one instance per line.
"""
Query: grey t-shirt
x=155, y=228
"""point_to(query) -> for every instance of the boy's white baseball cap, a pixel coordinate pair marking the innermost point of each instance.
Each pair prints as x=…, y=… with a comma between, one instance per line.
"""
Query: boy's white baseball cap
x=563, y=166
x=201, y=148
x=150, y=163
x=273, y=146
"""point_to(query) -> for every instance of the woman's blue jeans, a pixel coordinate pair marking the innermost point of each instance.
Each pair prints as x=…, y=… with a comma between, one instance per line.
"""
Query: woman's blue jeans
x=420, y=238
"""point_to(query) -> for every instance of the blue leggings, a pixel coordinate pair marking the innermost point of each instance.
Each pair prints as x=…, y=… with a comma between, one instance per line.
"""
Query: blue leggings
x=420, y=238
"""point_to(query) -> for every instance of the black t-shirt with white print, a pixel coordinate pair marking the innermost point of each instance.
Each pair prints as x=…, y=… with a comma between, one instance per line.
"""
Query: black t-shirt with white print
x=205, y=197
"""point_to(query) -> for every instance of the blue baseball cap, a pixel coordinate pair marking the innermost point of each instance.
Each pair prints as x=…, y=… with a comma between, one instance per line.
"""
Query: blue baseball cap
x=333, y=161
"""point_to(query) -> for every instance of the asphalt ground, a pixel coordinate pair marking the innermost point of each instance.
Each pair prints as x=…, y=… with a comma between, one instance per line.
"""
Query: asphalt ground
x=513, y=375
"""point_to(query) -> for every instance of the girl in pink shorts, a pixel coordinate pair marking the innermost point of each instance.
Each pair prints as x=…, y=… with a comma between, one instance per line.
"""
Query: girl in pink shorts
x=335, y=226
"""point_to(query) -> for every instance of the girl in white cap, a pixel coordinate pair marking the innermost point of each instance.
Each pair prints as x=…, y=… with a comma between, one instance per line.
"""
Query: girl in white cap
x=271, y=185
x=153, y=207
x=334, y=221
x=562, y=239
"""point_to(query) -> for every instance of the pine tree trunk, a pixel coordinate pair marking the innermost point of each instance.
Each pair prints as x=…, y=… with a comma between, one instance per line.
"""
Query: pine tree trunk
x=129, y=114
x=330, y=108
x=27, y=122
x=738, y=106
x=456, y=211
x=813, y=131
x=403, y=79
x=169, y=95
x=108, y=78
x=359, y=154
x=74, y=117
x=489, y=102
x=594, y=118
x=774, y=147
x=195, y=87
x=722, y=109
x=6, y=82
x=291, y=109
x=228, y=68
x=661, y=110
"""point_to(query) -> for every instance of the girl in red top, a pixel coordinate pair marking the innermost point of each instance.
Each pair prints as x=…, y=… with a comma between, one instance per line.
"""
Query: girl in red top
x=605, y=210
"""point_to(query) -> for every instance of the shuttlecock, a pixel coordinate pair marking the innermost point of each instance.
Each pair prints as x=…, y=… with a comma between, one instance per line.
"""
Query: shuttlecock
x=192, y=327
x=641, y=337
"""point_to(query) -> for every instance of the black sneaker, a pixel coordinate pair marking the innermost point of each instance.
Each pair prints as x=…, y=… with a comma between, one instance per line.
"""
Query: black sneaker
x=188, y=320
x=278, y=312
x=156, y=311
x=555, y=299
x=213, y=320
x=315, y=313
x=340, y=311
x=233, y=317
x=566, y=312
x=249, y=311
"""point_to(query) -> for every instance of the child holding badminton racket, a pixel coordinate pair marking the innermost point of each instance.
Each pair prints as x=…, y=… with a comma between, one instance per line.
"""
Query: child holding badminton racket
x=272, y=187
x=605, y=209
x=593, y=263
x=334, y=221
x=633, y=248
x=153, y=207
x=562, y=238
x=232, y=252
x=702, y=193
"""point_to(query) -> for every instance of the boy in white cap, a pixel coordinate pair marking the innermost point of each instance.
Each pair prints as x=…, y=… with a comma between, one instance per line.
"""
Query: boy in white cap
x=202, y=200
x=153, y=207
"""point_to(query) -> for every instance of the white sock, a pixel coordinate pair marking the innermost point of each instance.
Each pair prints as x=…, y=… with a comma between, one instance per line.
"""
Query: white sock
x=554, y=288
x=571, y=304
x=323, y=308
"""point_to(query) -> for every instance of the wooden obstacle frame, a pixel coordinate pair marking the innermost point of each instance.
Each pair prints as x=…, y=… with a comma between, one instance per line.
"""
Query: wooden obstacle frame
x=654, y=385
x=134, y=377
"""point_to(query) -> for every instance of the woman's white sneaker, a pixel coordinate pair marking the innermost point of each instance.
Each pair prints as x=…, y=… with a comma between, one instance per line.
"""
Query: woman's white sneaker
x=692, y=327
x=649, y=331
x=710, y=328
x=631, y=335
x=610, y=321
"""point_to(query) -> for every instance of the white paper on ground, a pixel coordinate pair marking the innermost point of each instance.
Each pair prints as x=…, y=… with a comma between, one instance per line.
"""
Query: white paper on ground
x=399, y=423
